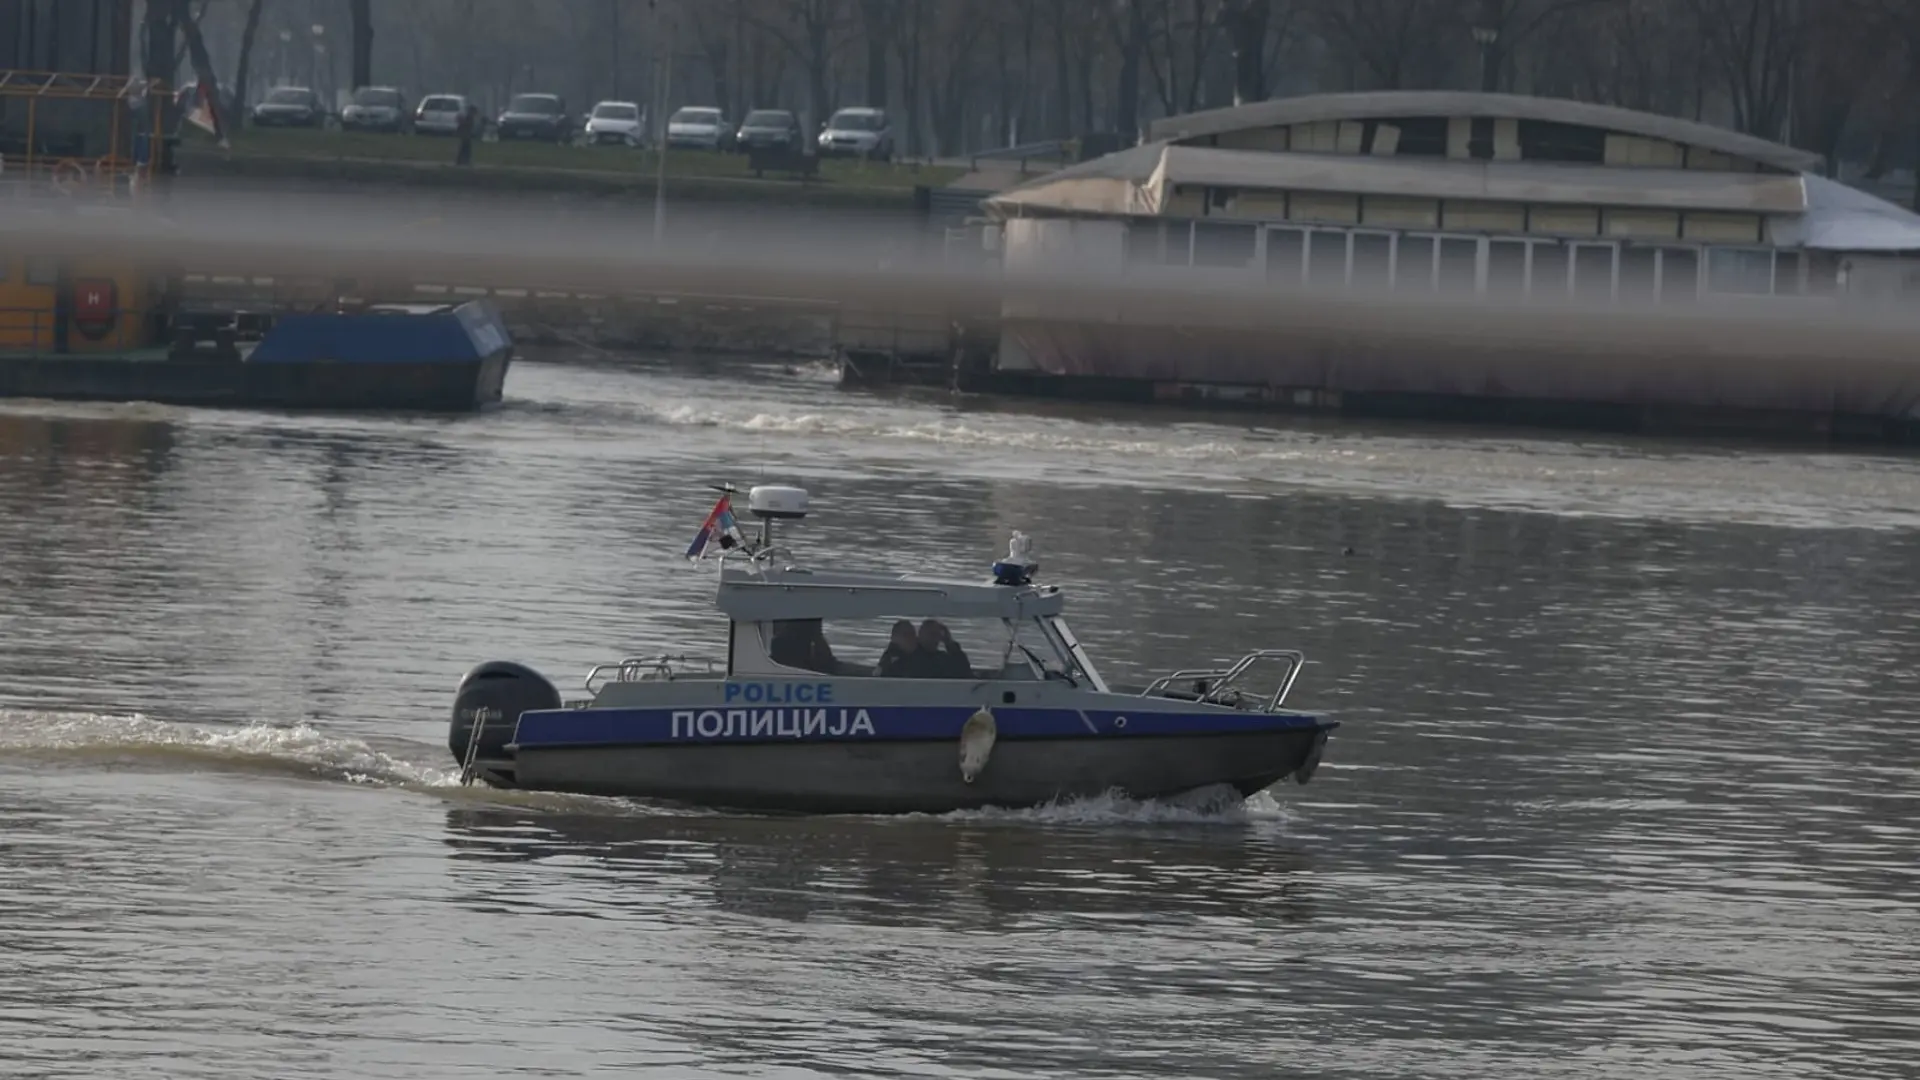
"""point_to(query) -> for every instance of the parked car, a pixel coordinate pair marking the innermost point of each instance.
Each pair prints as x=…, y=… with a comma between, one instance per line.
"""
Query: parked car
x=439, y=114
x=536, y=116
x=618, y=123
x=290, y=106
x=766, y=129
x=699, y=127
x=858, y=132
x=375, y=108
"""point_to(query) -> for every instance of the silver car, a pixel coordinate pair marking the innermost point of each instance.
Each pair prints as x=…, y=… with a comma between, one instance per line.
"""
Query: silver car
x=439, y=114
x=699, y=127
x=858, y=132
x=375, y=108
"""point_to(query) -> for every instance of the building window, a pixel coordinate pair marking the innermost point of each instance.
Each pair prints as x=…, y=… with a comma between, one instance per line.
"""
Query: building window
x=1483, y=217
x=1679, y=275
x=1144, y=239
x=1413, y=264
x=1740, y=271
x=1330, y=209
x=1372, y=260
x=1422, y=136
x=1286, y=256
x=1392, y=212
x=1327, y=258
x=1507, y=268
x=1642, y=224
x=1721, y=228
x=1593, y=272
x=1639, y=275
x=1564, y=220
x=1550, y=274
x=1459, y=265
x=1221, y=245
x=1546, y=140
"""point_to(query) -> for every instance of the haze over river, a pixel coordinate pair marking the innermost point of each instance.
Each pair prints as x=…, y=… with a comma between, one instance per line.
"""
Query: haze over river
x=1625, y=785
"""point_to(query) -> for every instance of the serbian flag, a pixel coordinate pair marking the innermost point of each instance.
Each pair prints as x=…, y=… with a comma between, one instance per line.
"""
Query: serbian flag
x=719, y=528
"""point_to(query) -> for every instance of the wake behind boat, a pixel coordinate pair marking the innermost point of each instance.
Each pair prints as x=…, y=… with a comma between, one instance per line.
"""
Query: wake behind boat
x=976, y=695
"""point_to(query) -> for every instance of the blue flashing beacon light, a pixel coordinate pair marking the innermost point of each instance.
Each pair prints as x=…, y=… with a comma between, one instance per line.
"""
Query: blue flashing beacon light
x=1018, y=567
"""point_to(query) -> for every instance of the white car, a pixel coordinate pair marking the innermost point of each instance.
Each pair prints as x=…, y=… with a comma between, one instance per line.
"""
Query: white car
x=699, y=127
x=858, y=132
x=439, y=114
x=616, y=122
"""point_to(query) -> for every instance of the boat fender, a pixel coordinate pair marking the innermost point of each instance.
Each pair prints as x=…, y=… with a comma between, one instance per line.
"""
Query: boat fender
x=976, y=744
x=1307, y=768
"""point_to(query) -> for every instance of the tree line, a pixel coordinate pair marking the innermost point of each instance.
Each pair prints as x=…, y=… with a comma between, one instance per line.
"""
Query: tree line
x=1838, y=77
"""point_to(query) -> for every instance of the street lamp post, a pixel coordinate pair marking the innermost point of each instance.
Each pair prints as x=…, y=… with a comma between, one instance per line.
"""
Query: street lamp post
x=663, y=87
x=1488, y=38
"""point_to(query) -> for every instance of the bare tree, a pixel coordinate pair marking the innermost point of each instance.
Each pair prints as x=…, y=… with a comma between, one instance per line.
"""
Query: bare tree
x=360, y=16
x=1392, y=41
x=242, y=67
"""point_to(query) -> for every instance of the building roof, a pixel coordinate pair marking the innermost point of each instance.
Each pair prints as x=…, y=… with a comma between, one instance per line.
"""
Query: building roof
x=1842, y=218
x=1139, y=181
x=1315, y=108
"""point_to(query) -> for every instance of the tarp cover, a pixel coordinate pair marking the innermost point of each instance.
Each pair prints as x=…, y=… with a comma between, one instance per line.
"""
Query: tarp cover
x=473, y=331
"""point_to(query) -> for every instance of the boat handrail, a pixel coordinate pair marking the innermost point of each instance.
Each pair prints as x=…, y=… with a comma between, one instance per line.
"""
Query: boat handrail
x=664, y=667
x=1218, y=680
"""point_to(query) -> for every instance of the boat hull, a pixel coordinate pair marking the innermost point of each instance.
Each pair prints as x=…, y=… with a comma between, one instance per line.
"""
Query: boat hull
x=427, y=386
x=893, y=777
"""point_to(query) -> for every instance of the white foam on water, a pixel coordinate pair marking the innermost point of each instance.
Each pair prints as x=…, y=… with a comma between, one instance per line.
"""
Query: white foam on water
x=137, y=739
x=1219, y=805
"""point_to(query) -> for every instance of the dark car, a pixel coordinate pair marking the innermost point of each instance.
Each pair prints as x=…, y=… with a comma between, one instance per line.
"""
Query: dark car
x=535, y=116
x=767, y=129
x=290, y=106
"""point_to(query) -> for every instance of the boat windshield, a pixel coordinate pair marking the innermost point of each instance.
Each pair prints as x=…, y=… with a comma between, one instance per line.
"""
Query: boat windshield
x=1072, y=654
x=906, y=648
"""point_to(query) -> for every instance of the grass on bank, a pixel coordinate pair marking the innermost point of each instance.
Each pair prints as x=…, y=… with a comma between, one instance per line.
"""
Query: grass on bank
x=614, y=161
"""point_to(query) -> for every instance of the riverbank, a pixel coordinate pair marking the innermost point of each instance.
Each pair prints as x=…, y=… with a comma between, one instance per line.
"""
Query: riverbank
x=419, y=161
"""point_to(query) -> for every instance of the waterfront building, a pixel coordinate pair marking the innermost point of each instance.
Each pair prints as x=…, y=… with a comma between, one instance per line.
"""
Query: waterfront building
x=1472, y=193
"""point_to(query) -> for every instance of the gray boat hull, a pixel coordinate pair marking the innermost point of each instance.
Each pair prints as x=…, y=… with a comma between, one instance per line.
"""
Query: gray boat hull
x=915, y=776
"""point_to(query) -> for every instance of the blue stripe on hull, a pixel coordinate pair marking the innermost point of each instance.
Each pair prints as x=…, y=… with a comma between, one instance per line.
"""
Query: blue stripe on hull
x=852, y=723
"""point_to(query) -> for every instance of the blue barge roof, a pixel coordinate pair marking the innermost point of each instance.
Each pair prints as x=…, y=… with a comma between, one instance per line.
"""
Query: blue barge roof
x=472, y=331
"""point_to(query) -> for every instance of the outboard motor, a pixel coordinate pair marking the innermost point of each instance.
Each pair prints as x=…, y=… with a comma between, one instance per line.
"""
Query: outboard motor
x=495, y=694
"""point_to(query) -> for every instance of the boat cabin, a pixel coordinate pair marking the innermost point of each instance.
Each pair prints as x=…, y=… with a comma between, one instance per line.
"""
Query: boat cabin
x=794, y=622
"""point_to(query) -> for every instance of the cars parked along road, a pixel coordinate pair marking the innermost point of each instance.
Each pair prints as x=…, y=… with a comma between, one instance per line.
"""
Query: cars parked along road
x=858, y=132
x=290, y=106
x=536, y=116
x=439, y=114
x=617, y=123
x=375, y=108
x=699, y=127
x=768, y=129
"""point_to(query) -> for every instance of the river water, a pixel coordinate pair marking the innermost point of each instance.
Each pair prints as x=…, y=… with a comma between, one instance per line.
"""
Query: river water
x=1625, y=784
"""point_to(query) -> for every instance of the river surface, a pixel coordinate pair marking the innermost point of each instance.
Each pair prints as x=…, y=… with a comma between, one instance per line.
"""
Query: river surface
x=1625, y=787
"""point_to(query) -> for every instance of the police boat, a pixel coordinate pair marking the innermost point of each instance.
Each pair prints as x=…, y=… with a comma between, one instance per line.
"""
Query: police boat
x=872, y=693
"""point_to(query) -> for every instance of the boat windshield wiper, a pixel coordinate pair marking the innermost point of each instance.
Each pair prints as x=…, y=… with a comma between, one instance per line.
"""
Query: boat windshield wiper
x=1045, y=671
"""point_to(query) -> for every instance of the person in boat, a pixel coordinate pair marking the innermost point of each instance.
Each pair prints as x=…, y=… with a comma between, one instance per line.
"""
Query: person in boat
x=941, y=656
x=902, y=658
x=799, y=643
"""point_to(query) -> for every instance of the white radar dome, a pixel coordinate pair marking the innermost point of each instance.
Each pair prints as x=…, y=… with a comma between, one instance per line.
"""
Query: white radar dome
x=777, y=503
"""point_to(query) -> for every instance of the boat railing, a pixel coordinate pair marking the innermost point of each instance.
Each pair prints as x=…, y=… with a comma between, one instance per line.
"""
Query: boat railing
x=1216, y=686
x=662, y=668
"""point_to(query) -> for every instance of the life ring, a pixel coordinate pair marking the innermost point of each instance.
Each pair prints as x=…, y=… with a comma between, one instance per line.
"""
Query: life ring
x=68, y=167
